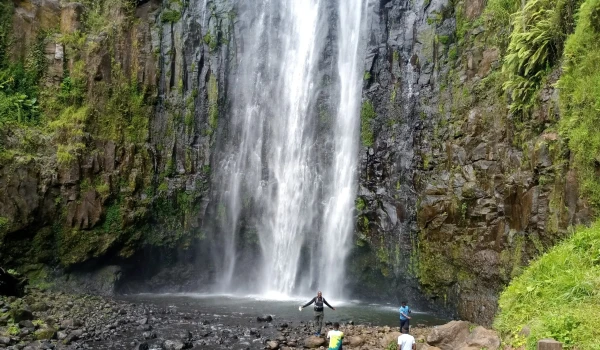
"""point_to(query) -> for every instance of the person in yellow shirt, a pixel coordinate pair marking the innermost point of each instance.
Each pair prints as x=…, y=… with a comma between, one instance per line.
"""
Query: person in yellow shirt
x=335, y=337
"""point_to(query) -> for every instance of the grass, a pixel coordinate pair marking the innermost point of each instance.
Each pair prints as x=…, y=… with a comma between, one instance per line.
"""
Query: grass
x=580, y=98
x=557, y=296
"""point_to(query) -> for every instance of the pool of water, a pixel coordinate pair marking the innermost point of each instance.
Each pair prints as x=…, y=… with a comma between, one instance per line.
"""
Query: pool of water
x=285, y=308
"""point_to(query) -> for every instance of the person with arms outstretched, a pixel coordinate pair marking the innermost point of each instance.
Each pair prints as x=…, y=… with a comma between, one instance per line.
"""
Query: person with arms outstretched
x=335, y=337
x=319, y=301
x=404, y=318
x=406, y=341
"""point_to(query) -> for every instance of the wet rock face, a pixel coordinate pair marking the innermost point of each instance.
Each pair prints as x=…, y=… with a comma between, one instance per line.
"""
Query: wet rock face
x=455, y=194
x=102, y=203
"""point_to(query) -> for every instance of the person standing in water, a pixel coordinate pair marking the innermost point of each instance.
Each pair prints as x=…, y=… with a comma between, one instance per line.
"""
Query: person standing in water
x=319, y=301
x=404, y=318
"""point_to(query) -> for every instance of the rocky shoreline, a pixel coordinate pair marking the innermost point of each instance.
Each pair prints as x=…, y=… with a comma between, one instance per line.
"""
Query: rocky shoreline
x=55, y=320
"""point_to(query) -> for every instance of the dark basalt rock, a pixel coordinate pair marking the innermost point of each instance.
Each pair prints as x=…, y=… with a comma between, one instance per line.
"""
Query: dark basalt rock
x=11, y=285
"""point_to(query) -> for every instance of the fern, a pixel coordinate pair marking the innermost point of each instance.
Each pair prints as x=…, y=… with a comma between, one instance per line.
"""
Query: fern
x=536, y=44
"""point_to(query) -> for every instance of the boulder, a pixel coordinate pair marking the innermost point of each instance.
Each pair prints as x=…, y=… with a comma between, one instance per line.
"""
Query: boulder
x=39, y=307
x=26, y=324
x=10, y=284
x=450, y=336
x=272, y=345
x=21, y=314
x=45, y=333
x=354, y=341
x=549, y=344
x=174, y=345
x=267, y=318
x=313, y=342
x=389, y=338
x=425, y=346
x=484, y=338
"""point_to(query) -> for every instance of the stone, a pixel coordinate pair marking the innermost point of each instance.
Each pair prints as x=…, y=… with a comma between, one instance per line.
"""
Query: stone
x=4, y=340
x=149, y=335
x=425, y=346
x=355, y=340
x=26, y=324
x=70, y=17
x=67, y=323
x=39, y=307
x=21, y=315
x=174, y=345
x=313, y=342
x=388, y=338
x=10, y=284
x=45, y=333
x=481, y=337
x=549, y=344
x=60, y=335
x=267, y=318
x=273, y=345
x=449, y=336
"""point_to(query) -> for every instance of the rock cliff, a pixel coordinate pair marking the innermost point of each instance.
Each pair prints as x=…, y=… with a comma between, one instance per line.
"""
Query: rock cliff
x=106, y=158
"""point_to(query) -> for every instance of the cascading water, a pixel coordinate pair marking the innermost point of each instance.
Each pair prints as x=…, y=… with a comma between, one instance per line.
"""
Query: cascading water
x=271, y=179
x=338, y=218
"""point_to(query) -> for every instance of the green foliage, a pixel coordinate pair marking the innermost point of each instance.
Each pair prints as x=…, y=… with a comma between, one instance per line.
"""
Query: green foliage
x=453, y=53
x=4, y=225
x=13, y=329
x=44, y=333
x=171, y=16
x=393, y=345
x=6, y=11
x=211, y=41
x=536, y=44
x=213, y=103
x=443, y=39
x=100, y=14
x=126, y=113
x=497, y=16
x=19, y=81
x=360, y=204
x=367, y=76
x=367, y=114
x=580, y=99
x=557, y=296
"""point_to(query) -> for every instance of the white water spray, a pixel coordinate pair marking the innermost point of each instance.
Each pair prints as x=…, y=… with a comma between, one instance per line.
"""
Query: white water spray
x=338, y=218
x=270, y=178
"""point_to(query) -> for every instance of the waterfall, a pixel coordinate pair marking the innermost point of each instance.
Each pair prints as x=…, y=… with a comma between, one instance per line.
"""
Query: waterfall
x=338, y=218
x=271, y=181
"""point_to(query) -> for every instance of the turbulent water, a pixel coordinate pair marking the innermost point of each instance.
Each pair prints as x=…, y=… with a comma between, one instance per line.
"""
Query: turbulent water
x=287, y=175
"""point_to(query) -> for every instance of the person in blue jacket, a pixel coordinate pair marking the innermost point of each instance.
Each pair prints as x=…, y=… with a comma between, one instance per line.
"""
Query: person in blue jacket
x=404, y=318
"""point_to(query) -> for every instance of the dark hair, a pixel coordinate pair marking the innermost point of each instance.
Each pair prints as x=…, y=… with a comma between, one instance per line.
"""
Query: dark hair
x=336, y=325
x=403, y=302
x=405, y=329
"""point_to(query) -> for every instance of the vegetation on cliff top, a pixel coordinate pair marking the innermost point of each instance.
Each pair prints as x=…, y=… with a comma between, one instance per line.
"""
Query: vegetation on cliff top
x=536, y=43
x=558, y=296
x=579, y=88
